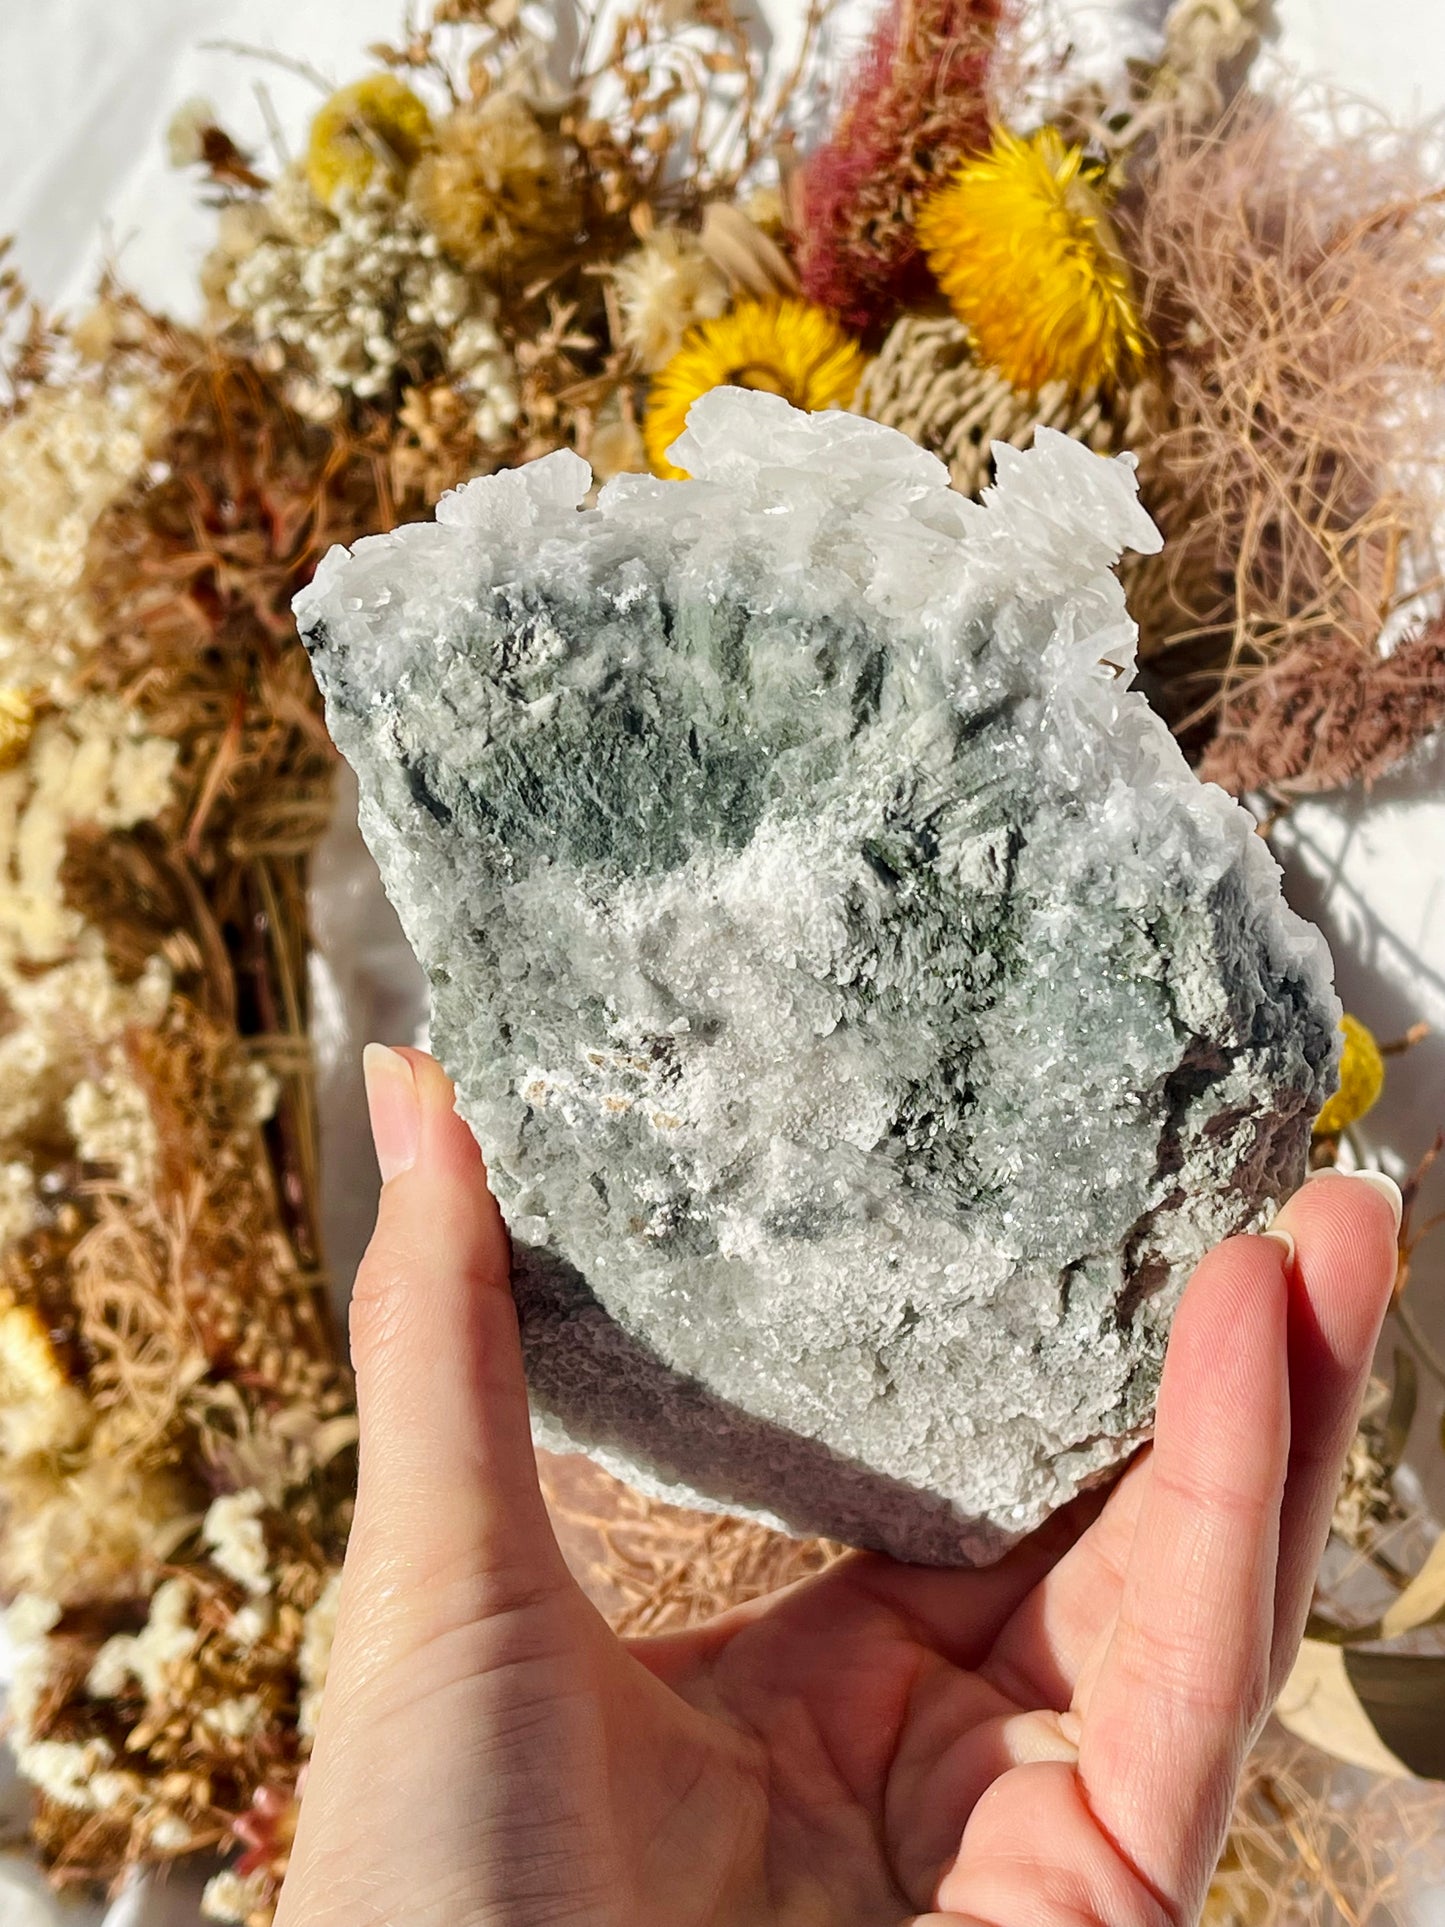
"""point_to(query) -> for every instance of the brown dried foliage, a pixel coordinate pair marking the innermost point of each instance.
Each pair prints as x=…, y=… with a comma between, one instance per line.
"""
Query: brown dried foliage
x=192, y=1311
x=697, y=114
x=193, y=577
x=197, y=1281
x=434, y=445
x=30, y=339
x=655, y=1568
x=205, y=1350
x=1327, y=713
x=1311, y=1847
x=1296, y=288
x=214, y=1781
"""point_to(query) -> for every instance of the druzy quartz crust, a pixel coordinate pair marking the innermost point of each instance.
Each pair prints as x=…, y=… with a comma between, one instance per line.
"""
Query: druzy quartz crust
x=867, y=1017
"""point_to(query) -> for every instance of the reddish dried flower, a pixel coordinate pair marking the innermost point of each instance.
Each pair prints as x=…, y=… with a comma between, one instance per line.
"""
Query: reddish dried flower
x=916, y=104
x=267, y=1830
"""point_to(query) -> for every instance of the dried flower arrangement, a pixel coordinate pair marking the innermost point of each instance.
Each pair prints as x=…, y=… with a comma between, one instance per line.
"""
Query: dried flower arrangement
x=176, y=1455
x=474, y=260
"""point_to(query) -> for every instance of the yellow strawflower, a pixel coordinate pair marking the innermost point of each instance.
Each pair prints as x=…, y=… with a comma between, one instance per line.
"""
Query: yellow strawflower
x=783, y=347
x=17, y=722
x=374, y=123
x=1021, y=243
x=1362, y=1078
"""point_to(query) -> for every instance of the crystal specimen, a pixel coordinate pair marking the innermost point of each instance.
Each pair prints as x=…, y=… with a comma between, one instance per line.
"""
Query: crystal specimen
x=867, y=1018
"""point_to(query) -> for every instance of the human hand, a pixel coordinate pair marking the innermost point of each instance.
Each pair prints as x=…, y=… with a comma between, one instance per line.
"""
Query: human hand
x=1051, y=1742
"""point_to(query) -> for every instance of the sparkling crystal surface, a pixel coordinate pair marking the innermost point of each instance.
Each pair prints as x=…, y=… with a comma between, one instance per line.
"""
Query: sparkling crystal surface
x=867, y=1017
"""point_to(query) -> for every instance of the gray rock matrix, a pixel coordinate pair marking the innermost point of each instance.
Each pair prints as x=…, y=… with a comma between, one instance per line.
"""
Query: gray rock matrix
x=867, y=1018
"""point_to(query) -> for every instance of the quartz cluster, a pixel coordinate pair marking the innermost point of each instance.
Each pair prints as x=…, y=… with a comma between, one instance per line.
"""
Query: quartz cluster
x=867, y=1018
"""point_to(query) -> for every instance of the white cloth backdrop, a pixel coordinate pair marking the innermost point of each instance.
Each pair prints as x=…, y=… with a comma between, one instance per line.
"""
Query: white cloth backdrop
x=86, y=90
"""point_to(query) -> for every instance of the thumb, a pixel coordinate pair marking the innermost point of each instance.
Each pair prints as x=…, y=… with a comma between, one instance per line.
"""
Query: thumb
x=448, y=1503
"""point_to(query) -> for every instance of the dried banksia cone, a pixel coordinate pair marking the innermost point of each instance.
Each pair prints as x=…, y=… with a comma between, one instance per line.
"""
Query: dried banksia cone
x=495, y=188
x=925, y=382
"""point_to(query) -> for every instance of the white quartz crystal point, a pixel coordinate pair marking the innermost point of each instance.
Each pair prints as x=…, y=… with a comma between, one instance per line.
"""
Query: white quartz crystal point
x=867, y=1018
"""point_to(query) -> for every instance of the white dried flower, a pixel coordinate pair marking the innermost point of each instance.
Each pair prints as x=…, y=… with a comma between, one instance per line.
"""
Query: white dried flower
x=317, y=1637
x=249, y=1624
x=294, y=211
x=263, y=1093
x=663, y=288
x=483, y=370
x=148, y=1657
x=61, y=1020
x=370, y=297
x=237, y=1540
x=234, y=1897
x=64, y=458
x=94, y=765
x=86, y=1532
x=27, y=1622
x=63, y=1769
x=111, y=1122
x=114, y=1788
x=170, y=1834
x=234, y=1719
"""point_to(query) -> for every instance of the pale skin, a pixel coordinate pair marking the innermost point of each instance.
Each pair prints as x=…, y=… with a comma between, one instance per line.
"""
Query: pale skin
x=1053, y=1742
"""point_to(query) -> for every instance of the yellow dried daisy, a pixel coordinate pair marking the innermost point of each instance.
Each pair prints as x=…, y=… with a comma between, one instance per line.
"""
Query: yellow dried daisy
x=374, y=123
x=17, y=724
x=1362, y=1078
x=783, y=347
x=1021, y=243
x=495, y=187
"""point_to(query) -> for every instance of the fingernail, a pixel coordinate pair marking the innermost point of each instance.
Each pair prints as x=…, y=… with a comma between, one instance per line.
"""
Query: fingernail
x=1382, y=1182
x=1282, y=1237
x=1031, y=1737
x=395, y=1108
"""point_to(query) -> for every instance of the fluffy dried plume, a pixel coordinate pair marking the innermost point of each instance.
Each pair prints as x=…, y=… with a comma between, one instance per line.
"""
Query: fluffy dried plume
x=1296, y=288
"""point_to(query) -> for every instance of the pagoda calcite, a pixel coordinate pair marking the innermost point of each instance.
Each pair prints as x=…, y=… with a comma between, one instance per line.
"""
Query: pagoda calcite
x=867, y=1017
